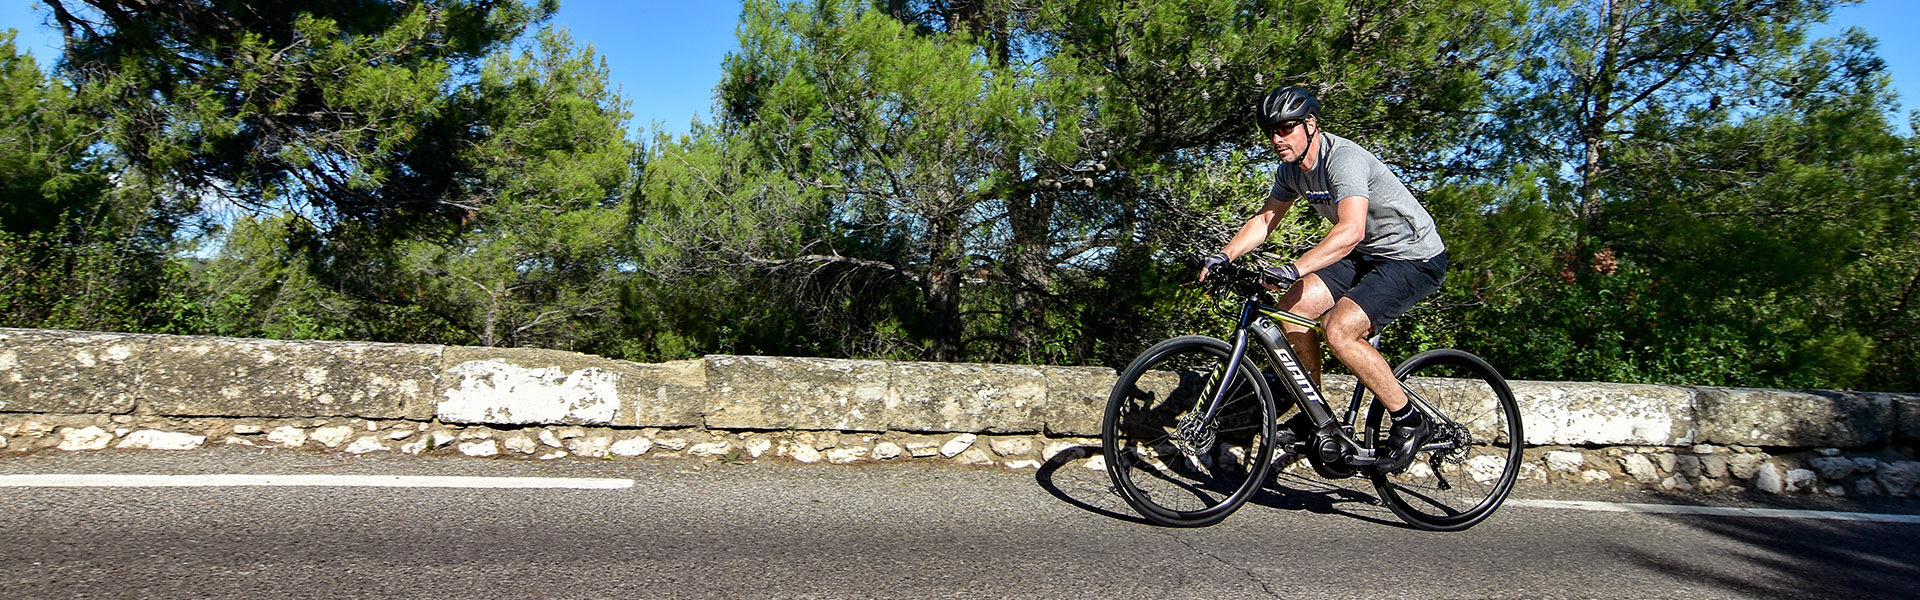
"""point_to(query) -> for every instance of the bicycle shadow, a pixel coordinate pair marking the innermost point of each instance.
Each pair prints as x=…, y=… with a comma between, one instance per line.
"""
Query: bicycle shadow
x=1286, y=490
x=1067, y=477
x=1088, y=489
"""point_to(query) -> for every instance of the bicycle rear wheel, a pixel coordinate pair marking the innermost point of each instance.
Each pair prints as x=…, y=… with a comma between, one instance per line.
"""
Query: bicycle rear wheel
x=1175, y=467
x=1470, y=466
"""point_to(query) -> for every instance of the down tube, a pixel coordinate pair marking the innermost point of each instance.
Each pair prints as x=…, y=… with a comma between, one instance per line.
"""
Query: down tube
x=1298, y=387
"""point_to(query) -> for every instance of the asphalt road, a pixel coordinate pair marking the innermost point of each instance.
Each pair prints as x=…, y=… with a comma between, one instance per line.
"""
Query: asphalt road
x=692, y=529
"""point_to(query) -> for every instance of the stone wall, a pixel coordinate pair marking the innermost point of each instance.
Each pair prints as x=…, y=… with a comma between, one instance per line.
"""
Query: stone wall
x=65, y=390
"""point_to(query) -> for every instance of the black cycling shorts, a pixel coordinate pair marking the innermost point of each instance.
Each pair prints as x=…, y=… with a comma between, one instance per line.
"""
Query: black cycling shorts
x=1385, y=288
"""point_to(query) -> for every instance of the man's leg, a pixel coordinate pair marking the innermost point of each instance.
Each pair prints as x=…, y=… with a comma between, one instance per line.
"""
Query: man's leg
x=1348, y=328
x=1309, y=298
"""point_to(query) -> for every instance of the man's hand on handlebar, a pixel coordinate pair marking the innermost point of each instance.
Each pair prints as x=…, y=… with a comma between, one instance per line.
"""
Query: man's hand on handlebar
x=1209, y=264
x=1281, y=276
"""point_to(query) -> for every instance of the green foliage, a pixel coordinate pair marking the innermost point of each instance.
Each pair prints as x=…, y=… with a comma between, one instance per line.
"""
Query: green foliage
x=1670, y=191
x=335, y=109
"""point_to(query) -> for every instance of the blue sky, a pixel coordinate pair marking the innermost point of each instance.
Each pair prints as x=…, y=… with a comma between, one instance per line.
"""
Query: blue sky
x=666, y=55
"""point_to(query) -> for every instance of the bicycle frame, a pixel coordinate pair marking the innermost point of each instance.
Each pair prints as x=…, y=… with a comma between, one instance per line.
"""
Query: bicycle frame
x=1257, y=322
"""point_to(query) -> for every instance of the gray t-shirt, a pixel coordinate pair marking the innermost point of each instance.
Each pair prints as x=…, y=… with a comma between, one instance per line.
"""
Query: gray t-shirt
x=1397, y=226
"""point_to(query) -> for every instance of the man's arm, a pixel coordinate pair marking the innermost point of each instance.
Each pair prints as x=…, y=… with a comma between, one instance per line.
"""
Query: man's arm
x=1255, y=231
x=1346, y=235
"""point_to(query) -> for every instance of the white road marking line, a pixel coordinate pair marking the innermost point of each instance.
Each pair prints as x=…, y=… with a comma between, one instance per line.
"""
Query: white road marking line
x=399, y=481
x=1715, y=511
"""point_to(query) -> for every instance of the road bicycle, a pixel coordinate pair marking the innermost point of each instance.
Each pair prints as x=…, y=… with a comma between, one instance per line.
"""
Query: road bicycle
x=1191, y=428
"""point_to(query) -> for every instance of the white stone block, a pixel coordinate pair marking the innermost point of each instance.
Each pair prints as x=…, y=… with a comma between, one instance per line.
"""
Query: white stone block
x=957, y=445
x=630, y=447
x=288, y=436
x=366, y=443
x=332, y=437
x=152, y=439
x=85, y=438
x=482, y=448
x=497, y=391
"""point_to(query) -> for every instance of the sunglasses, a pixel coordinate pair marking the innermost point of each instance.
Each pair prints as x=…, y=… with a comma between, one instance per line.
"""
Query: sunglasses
x=1285, y=127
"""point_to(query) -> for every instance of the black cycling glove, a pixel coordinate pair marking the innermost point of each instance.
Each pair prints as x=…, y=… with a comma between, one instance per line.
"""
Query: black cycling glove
x=1210, y=263
x=1286, y=274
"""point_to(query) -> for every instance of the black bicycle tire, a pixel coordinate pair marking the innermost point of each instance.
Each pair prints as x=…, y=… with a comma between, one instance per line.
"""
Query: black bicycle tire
x=1114, y=450
x=1389, y=491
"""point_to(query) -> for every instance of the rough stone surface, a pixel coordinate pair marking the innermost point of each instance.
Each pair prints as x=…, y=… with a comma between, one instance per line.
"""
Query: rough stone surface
x=480, y=449
x=1639, y=468
x=520, y=442
x=634, y=446
x=1767, y=479
x=288, y=436
x=1077, y=399
x=922, y=449
x=1833, y=467
x=1018, y=446
x=959, y=443
x=671, y=394
x=522, y=386
x=714, y=448
x=332, y=437
x=841, y=456
x=967, y=397
x=881, y=451
x=1906, y=410
x=1057, y=449
x=1688, y=465
x=974, y=456
x=202, y=376
x=591, y=446
x=1566, y=462
x=1898, y=478
x=758, y=392
x=757, y=447
x=365, y=444
x=1868, y=487
x=153, y=439
x=1745, y=466
x=73, y=439
x=804, y=453
x=1567, y=413
x=50, y=371
x=1758, y=417
x=1801, y=480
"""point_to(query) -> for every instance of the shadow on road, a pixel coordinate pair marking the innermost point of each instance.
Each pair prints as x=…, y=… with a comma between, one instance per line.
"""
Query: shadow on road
x=1066, y=477
x=1799, y=558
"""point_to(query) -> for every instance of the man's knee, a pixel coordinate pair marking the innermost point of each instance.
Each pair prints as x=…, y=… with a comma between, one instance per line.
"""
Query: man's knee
x=1347, y=323
x=1308, y=298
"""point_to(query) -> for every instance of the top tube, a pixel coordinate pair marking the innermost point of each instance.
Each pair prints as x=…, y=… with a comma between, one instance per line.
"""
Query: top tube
x=1281, y=315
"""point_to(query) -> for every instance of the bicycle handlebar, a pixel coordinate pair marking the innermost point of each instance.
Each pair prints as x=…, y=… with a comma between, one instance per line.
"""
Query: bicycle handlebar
x=1245, y=281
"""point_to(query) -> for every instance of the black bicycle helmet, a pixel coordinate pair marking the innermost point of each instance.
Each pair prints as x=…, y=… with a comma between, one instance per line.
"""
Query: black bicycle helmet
x=1290, y=103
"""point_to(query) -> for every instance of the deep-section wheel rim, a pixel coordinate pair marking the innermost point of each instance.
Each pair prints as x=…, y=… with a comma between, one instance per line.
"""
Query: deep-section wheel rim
x=1199, y=477
x=1455, y=488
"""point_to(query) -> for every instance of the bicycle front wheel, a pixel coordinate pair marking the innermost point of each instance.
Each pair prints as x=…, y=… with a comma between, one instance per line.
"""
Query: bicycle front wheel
x=1168, y=460
x=1470, y=464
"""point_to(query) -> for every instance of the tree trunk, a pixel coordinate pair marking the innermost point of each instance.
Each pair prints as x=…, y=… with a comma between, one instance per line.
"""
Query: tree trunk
x=942, y=324
x=1593, y=131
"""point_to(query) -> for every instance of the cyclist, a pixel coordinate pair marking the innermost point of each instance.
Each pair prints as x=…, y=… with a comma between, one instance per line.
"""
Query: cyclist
x=1382, y=256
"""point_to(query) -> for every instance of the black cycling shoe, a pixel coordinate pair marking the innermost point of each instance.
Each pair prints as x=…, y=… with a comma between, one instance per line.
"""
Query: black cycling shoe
x=1405, y=442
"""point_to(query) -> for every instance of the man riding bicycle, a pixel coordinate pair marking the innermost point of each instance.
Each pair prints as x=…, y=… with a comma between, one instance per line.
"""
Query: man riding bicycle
x=1382, y=256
